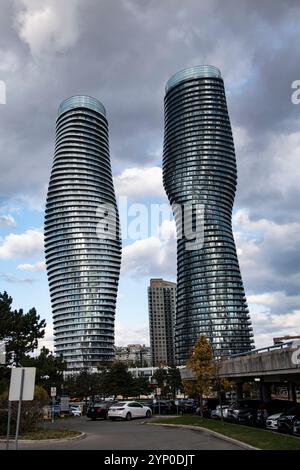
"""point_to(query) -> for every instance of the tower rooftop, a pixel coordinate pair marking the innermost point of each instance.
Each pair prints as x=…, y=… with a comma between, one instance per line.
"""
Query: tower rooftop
x=198, y=71
x=81, y=101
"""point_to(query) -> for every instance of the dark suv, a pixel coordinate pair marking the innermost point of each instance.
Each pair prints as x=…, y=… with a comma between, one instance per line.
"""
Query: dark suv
x=244, y=411
x=288, y=418
x=271, y=408
x=98, y=410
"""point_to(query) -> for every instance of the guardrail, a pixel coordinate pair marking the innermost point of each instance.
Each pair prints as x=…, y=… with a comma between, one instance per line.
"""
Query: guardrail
x=262, y=350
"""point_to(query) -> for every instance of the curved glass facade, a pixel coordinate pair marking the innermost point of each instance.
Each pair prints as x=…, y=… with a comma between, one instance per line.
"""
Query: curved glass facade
x=83, y=267
x=199, y=168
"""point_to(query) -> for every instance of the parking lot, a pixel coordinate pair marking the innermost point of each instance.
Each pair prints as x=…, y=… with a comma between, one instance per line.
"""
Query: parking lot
x=133, y=435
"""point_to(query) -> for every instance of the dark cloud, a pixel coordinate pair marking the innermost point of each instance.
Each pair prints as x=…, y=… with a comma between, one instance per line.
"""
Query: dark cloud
x=123, y=53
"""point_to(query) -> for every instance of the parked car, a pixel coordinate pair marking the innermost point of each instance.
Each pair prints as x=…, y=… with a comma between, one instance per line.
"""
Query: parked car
x=186, y=406
x=98, y=410
x=128, y=410
x=209, y=404
x=296, y=428
x=162, y=406
x=272, y=422
x=75, y=410
x=243, y=411
x=288, y=418
x=271, y=408
x=216, y=414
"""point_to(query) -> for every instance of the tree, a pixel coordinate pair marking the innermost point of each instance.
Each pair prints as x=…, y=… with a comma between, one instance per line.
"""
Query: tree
x=83, y=385
x=141, y=386
x=49, y=369
x=201, y=364
x=160, y=377
x=174, y=380
x=220, y=384
x=20, y=331
x=117, y=380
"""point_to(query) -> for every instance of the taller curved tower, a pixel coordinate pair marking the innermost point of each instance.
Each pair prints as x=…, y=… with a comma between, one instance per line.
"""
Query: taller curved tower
x=83, y=265
x=199, y=170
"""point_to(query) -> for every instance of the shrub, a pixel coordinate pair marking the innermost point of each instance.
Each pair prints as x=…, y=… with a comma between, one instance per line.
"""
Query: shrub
x=31, y=412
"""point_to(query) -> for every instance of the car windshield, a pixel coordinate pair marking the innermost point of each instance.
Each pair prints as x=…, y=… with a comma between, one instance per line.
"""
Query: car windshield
x=98, y=404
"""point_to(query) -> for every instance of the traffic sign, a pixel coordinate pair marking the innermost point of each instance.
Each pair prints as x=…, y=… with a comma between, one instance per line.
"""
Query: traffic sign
x=53, y=392
x=64, y=404
x=18, y=390
x=158, y=391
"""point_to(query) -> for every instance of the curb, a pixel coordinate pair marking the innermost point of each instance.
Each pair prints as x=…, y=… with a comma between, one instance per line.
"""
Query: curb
x=209, y=431
x=81, y=436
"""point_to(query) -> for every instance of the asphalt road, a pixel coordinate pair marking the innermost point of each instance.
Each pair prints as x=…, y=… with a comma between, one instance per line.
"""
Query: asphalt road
x=133, y=435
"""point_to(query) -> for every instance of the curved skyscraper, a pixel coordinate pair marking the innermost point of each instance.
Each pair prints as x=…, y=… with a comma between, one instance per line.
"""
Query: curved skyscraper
x=199, y=173
x=82, y=243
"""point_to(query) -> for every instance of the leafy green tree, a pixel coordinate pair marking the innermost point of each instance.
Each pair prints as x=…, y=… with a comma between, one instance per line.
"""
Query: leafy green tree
x=141, y=386
x=20, y=331
x=174, y=380
x=160, y=377
x=201, y=363
x=117, y=380
x=83, y=385
x=49, y=369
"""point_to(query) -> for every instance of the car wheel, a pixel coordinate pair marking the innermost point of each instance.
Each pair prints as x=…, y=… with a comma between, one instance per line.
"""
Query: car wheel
x=93, y=419
x=105, y=416
x=128, y=417
x=112, y=419
x=148, y=414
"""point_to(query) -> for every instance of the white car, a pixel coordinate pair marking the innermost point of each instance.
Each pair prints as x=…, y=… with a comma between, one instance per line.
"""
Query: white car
x=272, y=422
x=128, y=410
x=75, y=410
x=217, y=411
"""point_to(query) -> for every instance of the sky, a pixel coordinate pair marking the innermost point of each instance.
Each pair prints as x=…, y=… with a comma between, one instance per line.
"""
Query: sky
x=123, y=52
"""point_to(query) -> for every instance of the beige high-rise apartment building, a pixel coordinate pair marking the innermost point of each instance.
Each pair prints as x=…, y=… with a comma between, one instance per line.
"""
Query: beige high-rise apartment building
x=162, y=309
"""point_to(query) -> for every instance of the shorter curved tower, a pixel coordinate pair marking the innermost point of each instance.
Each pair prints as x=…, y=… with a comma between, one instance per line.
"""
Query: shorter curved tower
x=83, y=266
x=199, y=171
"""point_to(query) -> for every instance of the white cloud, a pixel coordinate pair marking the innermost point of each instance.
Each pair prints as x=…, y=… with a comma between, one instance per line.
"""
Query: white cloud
x=140, y=182
x=267, y=325
x=39, y=266
x=150, y=256
x=24, y=245
x=11, y=279
x=7, y=221
x=49, y=26
x=8, y=61
x=48, y=340
x=131, y=335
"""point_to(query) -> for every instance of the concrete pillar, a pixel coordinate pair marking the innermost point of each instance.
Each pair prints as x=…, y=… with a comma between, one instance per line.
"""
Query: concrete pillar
x=292, y=391
x=239, y=390
x=265, y=392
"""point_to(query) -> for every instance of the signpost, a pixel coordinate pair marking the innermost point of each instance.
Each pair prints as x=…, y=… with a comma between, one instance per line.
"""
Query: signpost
x=53, y=395
x=158, y=393
x=64, y=404
x=2, y=353
x=21, y=388
x=176, y=403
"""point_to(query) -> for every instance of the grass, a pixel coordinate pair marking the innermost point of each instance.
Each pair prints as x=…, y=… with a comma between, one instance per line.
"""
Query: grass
x=41, y=434
x=260, y=438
